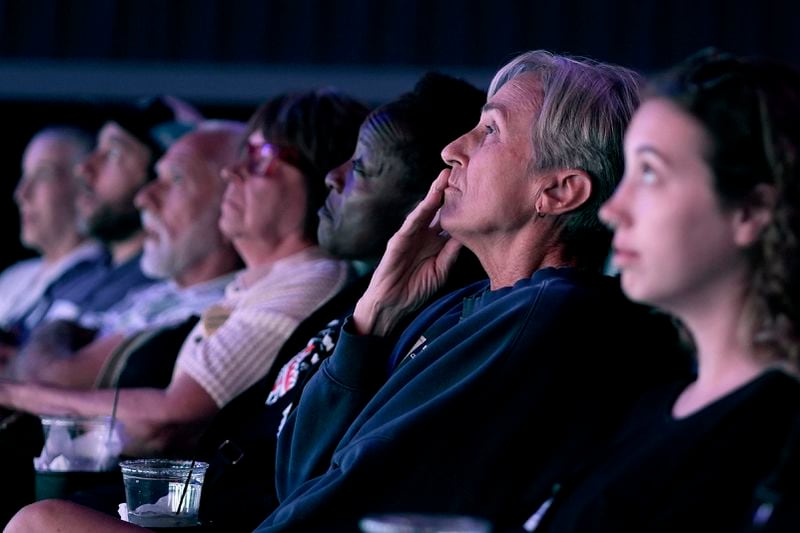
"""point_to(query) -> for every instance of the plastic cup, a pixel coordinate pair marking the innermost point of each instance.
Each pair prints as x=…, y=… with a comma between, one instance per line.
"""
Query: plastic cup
x=423, y=523
x=79, y=444
x=163, y=493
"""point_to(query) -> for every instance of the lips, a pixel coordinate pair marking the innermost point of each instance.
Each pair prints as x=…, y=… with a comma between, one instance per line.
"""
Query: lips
x=228, y=203
x=624, y=257
x=324, y=214
x=327, y=210
x=451, y=186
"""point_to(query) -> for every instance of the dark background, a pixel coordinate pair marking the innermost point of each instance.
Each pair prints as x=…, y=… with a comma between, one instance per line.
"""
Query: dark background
x=60, y=57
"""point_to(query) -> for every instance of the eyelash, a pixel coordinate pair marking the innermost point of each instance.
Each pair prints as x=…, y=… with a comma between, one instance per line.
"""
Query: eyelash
x=490, y=129
x=647, y=170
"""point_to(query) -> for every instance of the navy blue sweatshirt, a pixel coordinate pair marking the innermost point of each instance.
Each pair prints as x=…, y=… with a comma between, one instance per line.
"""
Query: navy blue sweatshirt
x=560, y=356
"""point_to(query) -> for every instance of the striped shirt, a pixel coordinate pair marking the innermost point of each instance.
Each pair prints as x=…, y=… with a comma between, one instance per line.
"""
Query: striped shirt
x=236, y=342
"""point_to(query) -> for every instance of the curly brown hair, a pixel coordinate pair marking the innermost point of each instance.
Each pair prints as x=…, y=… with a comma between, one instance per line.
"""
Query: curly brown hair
x=750, y=107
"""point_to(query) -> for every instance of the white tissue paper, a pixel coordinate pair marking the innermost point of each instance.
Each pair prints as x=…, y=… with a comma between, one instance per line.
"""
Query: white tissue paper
x=122, y=509
x=93, y=451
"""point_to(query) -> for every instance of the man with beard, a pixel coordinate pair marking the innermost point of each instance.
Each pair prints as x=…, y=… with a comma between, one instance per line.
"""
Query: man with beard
x=183, y=246
x=128, y=145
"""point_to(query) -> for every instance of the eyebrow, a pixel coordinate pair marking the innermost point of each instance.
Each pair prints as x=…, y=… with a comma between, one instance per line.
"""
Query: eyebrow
x=652, y=150
x=489, y=106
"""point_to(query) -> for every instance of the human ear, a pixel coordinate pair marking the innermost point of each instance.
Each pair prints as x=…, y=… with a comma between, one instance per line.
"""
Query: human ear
x=755, y=215
x=566, y=190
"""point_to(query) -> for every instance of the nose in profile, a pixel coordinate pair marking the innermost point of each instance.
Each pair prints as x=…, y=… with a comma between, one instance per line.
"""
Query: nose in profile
x=613, y=213
x=455, y=153
x=336, y=178
x=23, y=190
x=148, y=196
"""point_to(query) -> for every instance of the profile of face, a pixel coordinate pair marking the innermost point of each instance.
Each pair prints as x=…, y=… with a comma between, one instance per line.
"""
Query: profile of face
x=367, y=201
x=45, y=194
x=181, y=208
x=265, y=196
x=110, y=178
x=490, y=189
x=674, y=243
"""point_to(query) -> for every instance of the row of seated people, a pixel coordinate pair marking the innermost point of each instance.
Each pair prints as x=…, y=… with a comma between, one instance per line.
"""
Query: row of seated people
x=66, y=220
x=247, y=220
x=547, y=397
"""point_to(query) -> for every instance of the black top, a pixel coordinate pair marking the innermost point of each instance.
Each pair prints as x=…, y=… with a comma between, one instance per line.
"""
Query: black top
x=695, y=473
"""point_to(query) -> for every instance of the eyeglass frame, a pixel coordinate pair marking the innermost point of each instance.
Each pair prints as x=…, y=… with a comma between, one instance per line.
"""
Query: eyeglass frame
x=259, y=160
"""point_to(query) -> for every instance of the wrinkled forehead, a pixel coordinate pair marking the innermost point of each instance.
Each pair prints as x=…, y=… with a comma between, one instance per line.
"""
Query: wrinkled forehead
x=521, y=92
x=185, y=159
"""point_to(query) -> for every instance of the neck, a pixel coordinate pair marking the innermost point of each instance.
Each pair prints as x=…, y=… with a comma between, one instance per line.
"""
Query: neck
x=726, y=359
x=121, y=251
x=511, y=258
x=257, y=253
x=216, y=264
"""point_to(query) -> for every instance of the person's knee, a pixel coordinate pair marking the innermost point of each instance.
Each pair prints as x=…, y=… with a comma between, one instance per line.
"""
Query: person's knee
x=35, y=517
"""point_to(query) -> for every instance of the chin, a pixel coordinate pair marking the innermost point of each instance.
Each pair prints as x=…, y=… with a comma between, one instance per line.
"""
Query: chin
x=446, y=220
x=633, y=290
x=643, y=295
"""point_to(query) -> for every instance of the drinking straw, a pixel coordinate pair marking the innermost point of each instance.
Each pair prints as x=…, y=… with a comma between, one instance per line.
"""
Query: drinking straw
x=185, y=487
x=113, y=415
x=10, y=419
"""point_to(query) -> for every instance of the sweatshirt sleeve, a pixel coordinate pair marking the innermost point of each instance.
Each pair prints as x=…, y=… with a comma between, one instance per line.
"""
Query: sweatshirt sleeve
x=331, y=400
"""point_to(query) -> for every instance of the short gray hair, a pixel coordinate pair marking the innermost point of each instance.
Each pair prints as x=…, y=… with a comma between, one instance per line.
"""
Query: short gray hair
x=585, y=108
x=79, y=141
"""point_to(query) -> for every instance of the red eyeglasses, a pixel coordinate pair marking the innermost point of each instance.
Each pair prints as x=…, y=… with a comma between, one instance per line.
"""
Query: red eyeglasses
x=260, y=158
